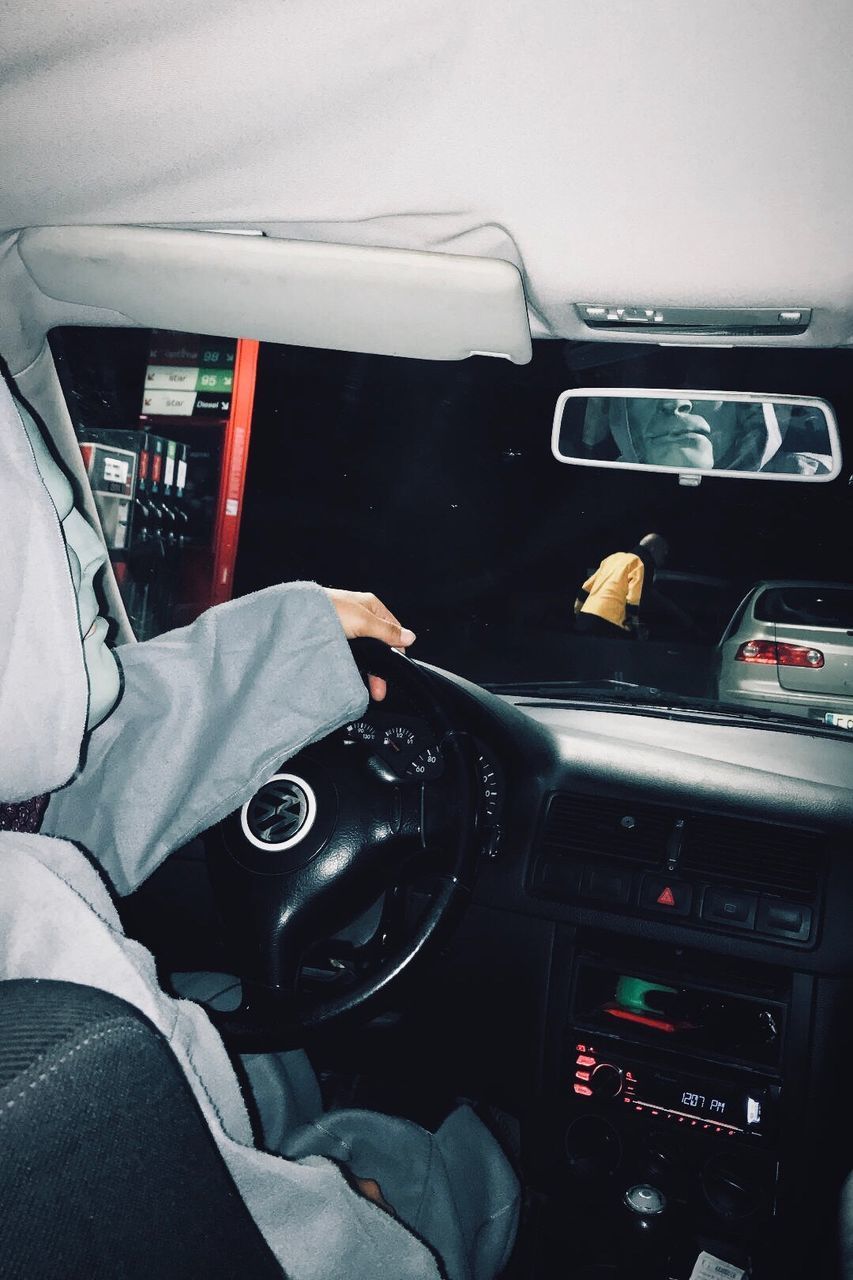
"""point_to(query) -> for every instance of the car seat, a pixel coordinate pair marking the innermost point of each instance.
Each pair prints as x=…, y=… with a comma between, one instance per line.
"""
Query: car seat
x=107, y=1167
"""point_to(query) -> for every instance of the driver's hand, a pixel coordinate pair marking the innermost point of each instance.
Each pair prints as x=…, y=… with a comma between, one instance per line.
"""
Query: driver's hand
x=362, y=614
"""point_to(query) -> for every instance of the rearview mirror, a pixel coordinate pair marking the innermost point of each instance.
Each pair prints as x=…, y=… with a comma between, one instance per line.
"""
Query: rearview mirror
x=696, y=433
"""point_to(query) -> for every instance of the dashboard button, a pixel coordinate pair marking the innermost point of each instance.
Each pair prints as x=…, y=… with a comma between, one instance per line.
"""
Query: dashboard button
x=669, y=897
x=606, y=886
x=558, y=878
x=730, y=906
x=784, y=919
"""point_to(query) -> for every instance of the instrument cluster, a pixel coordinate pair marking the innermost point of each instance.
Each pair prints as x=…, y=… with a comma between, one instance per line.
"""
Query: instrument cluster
x=408, y=747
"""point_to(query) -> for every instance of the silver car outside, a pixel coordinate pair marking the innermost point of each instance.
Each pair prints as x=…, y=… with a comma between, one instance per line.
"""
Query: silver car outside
x=809, y=626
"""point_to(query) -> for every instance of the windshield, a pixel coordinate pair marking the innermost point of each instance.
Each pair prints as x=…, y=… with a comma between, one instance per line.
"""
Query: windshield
x=433, y=485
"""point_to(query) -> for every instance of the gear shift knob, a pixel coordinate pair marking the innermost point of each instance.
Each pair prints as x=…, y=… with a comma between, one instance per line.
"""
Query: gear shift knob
x=646, y=1204
x=645, y=1242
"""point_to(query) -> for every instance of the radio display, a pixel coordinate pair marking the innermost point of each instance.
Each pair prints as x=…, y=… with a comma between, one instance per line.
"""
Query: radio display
x=683, y=1099
x=714, y=1106
x=711, y=1105
x=722, y=1106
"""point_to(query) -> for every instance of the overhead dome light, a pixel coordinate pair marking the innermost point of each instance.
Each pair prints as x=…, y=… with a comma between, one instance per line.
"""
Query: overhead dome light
x=718, y=320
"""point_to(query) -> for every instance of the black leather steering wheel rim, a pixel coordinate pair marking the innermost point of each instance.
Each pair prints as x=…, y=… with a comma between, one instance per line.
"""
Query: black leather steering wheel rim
x=271, y=1015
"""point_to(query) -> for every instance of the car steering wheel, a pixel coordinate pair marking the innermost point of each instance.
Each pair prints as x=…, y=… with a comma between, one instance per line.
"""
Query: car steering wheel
x=316, y=847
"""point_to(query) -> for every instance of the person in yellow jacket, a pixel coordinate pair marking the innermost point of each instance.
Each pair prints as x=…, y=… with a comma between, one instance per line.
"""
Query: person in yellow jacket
x=608, y=603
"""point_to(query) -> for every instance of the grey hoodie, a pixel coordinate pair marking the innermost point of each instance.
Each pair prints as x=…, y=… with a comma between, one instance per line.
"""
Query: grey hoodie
x=206, y=714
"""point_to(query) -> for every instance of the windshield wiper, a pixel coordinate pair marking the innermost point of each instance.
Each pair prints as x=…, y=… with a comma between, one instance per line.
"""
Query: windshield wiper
x=554, y=688
x=623, y=695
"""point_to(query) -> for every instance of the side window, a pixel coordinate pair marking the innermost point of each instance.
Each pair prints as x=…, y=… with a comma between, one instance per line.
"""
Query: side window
x=737, y=619
x=164, y=437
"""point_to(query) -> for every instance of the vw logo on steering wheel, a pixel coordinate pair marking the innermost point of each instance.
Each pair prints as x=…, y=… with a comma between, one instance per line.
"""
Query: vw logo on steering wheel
x=280, y=814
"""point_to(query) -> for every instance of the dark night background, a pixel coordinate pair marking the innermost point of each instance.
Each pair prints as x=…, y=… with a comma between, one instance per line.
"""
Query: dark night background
x=433, y=485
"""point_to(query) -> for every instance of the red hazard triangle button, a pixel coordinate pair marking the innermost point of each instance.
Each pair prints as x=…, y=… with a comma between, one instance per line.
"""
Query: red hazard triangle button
x=675, y=897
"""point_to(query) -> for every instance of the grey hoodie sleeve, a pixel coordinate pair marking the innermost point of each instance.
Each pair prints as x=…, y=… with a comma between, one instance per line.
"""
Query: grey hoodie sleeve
x=207, y=714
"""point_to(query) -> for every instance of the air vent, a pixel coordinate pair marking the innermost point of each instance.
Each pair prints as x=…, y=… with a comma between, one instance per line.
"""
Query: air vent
x=594, y=827
x=753, y=855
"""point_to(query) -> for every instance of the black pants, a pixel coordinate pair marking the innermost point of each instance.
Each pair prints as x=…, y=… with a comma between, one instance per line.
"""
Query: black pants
x=589, y=624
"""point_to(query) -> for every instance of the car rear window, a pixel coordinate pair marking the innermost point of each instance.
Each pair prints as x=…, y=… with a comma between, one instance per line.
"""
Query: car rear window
x=807, y=606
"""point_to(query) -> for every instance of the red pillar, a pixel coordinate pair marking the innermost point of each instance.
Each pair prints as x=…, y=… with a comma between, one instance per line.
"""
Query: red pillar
x=235, y=457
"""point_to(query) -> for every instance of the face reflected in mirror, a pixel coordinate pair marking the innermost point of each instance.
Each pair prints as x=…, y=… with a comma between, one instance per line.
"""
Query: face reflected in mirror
x=706, y=432
x=86, y=557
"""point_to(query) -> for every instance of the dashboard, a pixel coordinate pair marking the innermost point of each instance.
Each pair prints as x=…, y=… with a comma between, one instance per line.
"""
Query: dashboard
x=656, y=969
x=653, y=976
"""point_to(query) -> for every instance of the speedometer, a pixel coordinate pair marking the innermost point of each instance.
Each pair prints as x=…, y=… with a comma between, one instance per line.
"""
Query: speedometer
x=426, y=764
x=411, y=753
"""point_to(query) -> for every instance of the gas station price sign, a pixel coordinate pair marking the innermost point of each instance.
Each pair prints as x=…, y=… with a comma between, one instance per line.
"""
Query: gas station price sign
x=189, y=376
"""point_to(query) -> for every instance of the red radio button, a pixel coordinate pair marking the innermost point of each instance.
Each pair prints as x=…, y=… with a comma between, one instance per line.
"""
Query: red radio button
x=583, y=1089
x=584, y=1060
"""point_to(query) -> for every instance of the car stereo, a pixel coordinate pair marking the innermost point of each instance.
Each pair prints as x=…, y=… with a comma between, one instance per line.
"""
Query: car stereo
x=605, y=1073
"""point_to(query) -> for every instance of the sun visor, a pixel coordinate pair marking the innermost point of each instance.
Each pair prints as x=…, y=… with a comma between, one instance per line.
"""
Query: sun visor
x=396, y=302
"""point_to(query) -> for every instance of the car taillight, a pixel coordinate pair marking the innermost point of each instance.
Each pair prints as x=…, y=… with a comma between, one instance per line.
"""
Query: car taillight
x=757, y=651
x=796, y=655
x=786, y=655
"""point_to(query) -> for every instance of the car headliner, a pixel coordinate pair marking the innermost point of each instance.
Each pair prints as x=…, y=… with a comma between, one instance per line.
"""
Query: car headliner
x=662, y=152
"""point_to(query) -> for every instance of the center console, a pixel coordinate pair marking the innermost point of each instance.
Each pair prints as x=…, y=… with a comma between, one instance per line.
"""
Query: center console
x=670, y=1090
